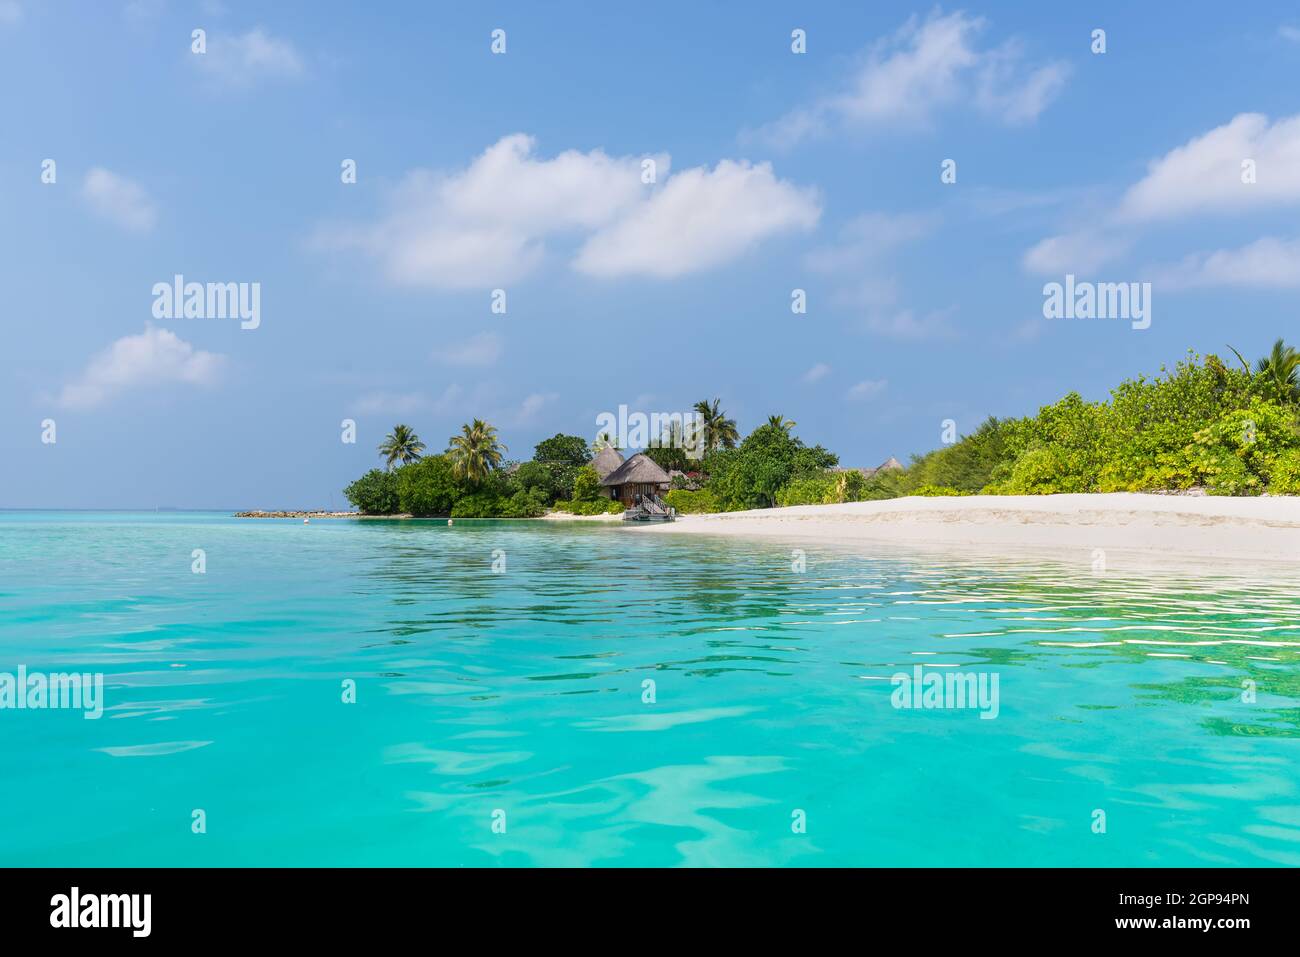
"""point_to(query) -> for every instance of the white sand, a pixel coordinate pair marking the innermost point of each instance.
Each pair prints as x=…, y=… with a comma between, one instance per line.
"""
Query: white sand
x=1162, y=529
x=566, y=517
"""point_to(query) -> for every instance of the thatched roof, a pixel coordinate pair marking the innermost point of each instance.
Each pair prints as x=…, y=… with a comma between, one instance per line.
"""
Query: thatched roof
x=606, y=460
x=641, y=469
x=888, y=465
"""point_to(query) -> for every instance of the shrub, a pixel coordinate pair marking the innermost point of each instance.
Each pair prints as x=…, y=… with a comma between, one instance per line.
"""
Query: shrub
x=811, y=490
x=1285, y=477
x=375, y=493
x=1040, y=471
x=599, y=506
x=478, y=505
x=428, y=487
x=1223, y=473
x=687, y=502
x=529, y=504
x=586, y=485
x=969, y=464
x=547, y=479
x=934, y=491
x=769, y=458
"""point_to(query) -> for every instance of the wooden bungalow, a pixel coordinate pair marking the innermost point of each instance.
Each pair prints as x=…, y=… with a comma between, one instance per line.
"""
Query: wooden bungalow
x=637, y=479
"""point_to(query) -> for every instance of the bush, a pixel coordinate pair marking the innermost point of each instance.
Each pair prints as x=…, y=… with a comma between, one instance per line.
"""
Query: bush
x=522, y=504
x=969, y=464
x=375, y=493
x=934, y=491
x=769, y=458
x=1223, y=473
x=600, y=506
x=811, y=490
x=1285, y=477
x=687, y=502
x=1040, y=471
x=544, y=478
x=586, y=485
x=428, y=487
x=478, y=505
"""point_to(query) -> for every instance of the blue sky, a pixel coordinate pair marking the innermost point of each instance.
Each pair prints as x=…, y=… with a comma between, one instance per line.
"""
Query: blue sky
x=775, y=171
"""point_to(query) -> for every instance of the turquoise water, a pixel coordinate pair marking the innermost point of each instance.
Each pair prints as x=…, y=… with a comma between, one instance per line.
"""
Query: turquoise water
x=517, y=698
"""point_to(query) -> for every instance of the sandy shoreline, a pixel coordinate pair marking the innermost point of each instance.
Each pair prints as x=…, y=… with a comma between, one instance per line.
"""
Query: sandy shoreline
x=1158, y=529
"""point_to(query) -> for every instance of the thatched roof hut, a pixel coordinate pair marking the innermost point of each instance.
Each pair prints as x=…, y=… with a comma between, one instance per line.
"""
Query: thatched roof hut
x=889, y=465
x=639, y=475
x=606, y=461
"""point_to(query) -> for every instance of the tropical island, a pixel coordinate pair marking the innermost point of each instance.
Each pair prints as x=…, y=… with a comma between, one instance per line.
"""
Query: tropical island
x=1203, y=427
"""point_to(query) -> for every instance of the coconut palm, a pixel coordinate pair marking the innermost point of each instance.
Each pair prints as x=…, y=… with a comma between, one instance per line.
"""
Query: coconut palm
x=718, y=429
x=475, y=452
x=401, y=445
x=781, y=422
x=1281, y=370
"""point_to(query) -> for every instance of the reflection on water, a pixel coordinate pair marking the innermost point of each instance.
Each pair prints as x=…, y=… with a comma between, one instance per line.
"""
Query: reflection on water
x=617, y=698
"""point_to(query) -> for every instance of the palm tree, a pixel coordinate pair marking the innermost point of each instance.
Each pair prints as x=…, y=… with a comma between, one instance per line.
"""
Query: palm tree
x=718, y=429
x=476, y=451
x=1281, y=370
x=401, y=445
x=781, y=422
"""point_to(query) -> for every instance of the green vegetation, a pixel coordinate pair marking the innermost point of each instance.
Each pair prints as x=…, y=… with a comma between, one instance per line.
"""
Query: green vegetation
x=1201, y=425
x=687, y=502
x=375, y=493
x=751, y=475
x=718, y=430
x=587, y=498
x=475, y=453
x=470, y=479
x=401, y=445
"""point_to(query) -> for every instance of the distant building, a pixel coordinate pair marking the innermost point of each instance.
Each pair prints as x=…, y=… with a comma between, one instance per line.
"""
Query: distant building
x=639, y=476
x=889, y=465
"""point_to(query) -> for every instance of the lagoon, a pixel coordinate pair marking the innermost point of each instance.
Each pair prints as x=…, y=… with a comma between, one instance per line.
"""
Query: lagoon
x=615, y=698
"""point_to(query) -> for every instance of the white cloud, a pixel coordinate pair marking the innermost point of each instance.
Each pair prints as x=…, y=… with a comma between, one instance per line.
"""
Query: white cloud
x=868, y=237
x=1079, y=252
x=533, y=404
x=489, y=223
x=818, y=372
x=119, y=200
x=156, y=356
x=1205, y=174
x=906, y=325
x=862, y=245
x=481, y=350
x=699, y=219
x=925, y=67
x=866, y=389
x=11, y=11
x=408, y=403
x=240, y=61
x=1287, y=32
x=1267, y=262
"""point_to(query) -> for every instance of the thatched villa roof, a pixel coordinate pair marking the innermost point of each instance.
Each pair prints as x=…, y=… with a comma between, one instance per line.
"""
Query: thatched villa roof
x=640, y=469
x=606, y=461
x=889, y=465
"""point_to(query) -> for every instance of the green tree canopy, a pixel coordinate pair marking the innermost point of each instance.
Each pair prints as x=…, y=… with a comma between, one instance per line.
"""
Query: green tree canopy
x=563, y=450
